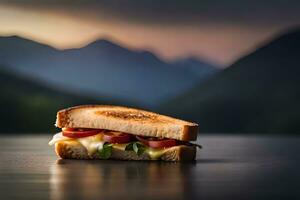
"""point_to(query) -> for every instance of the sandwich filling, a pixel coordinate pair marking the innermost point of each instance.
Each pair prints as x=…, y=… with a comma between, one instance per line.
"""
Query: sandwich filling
x=103, y=142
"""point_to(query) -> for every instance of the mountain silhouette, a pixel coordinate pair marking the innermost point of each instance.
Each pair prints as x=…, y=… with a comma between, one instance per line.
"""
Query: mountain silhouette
x=103, y=68
x=27, y=106
x=259, y=93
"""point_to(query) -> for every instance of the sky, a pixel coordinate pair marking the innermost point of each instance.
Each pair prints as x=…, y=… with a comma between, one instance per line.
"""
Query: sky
x=218, y=32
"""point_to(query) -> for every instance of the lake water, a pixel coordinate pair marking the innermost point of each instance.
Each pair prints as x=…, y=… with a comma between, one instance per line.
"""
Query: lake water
x=228, y=167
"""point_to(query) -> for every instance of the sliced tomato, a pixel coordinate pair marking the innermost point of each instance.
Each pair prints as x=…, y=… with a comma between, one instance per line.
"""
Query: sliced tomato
x=116, y=137
x=79, y=132
x=157, y=142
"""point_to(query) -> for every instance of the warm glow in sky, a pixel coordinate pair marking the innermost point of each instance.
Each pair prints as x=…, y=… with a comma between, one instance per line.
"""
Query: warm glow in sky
x=217, y=42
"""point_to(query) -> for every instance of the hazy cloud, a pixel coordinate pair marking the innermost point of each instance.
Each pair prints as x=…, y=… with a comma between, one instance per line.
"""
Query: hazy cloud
x=251, y=12
x=219, y=31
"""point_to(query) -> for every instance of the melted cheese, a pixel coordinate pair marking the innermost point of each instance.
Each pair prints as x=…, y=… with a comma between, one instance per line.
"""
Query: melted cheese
x=120, y=146
x=92, y=143
x=57, y=138
x=155, y=154
x=95, y=142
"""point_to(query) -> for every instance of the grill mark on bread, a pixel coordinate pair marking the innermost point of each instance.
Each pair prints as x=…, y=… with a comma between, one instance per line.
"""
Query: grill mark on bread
x=132, y=115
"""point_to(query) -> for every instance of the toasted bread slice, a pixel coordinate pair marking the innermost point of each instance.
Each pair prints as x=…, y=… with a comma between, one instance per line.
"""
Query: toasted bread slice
x=74, y=150
x=127, y=120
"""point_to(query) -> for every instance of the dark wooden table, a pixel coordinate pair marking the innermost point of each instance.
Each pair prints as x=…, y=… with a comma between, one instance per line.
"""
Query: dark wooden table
x=228, y=167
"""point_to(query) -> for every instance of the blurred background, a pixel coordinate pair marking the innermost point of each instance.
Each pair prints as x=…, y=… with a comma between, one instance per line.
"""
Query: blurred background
x=231, y=66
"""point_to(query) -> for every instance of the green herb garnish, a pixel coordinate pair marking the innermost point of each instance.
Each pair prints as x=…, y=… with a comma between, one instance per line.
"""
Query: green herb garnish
x=137, y=147
x=105, y=151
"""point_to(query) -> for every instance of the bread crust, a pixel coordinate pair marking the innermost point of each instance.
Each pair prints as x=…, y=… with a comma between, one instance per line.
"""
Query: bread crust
x=128, y=120
x=74, y=150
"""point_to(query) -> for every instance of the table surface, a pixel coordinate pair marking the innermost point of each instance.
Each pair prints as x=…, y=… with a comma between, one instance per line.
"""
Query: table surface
x=228, y=167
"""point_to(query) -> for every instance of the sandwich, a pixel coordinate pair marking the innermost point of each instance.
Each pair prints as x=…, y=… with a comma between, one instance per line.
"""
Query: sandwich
x=121, y=133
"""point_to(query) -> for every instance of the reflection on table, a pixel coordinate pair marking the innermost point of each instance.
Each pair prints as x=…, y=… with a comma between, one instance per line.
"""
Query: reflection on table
x=116, y=179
